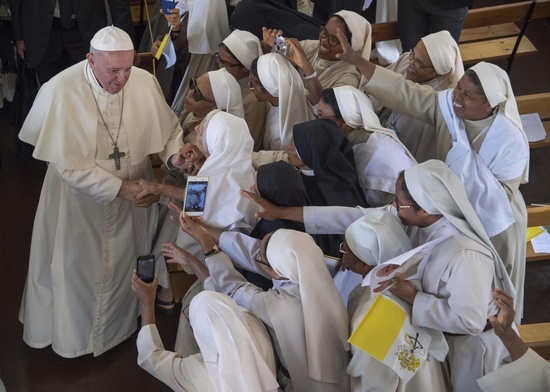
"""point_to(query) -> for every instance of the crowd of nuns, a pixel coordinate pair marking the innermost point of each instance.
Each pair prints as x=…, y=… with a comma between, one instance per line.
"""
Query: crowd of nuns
x=321, y=167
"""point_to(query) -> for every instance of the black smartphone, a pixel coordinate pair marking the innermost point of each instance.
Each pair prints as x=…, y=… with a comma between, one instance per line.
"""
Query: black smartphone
x=145, y=268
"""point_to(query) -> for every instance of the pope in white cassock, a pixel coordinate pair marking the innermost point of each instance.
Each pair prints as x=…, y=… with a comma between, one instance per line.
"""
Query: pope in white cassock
x=95, y=126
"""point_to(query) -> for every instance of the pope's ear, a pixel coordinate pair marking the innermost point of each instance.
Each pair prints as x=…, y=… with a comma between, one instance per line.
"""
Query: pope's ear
x=90, y=58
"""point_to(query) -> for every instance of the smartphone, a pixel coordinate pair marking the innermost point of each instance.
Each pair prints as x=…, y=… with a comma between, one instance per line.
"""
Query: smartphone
x=279, y=45
x=167, y=6
x=195, y=195
x=145, y=268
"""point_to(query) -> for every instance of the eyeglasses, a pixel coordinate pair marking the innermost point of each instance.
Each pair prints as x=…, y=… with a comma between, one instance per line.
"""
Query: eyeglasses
x=258, y=259
x=416, y=62
x=197, y=95
x=341, y=248
x=397, y=205
x=332, y=40
x=225, y=63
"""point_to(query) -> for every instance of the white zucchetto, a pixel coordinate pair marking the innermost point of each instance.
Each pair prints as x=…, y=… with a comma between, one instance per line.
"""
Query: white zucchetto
x=111, y=39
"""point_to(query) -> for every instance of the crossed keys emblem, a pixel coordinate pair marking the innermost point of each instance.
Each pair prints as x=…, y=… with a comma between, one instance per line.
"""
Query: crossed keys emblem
x=406, y=353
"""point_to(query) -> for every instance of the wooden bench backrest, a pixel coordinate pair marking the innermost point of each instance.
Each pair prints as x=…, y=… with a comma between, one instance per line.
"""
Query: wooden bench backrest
x=535, y=103
x=479, y=17
x=538, y=216
x=537, y=337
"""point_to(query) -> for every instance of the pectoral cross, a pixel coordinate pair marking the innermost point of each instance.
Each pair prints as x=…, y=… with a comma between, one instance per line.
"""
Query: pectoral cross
x=116, y=155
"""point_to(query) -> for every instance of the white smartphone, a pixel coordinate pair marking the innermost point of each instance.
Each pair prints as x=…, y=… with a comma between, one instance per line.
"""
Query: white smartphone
x=195, y=195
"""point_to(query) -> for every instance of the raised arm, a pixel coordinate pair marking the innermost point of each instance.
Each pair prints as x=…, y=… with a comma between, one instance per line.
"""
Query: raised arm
x=349, y=56
x=270, y=211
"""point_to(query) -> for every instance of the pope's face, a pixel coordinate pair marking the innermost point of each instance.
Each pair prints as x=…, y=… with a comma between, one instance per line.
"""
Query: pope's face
x=111, y=69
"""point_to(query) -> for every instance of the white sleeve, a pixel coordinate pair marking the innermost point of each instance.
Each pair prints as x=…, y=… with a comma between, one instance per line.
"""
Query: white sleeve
x=242, y=249
x=333, y=220
x=529, y=373
x=465, y=292
x=173, y=146
x=227, y=280
x=167, y=366
x=96, y=183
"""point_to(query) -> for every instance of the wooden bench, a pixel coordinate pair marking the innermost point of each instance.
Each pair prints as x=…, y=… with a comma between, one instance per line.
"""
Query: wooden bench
x=489, y=33
x=537, y=337
x=537, y=216
x=537, y=103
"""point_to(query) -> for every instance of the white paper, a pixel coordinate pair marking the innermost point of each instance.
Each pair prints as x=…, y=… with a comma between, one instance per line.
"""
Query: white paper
x=410, y=264
x=345, y=282
x=533, y=128
x=541, y=243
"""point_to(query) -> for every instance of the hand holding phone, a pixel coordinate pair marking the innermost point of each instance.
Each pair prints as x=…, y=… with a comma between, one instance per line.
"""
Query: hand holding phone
x=195, y=196
x=145, y=268
x=279, y=45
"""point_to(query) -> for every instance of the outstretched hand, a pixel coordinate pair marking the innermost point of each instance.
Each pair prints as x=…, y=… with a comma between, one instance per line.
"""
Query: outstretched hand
x=348, y=55
x=268, y=35
x=175, y=254
x=266, y=210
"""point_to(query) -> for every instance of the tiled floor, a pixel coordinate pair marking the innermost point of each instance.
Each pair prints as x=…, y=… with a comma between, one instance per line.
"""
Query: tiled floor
x=25, y=369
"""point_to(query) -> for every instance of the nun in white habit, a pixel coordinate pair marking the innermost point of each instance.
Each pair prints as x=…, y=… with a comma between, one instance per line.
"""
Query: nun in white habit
x=225, y=141
x=243, y=47
x=279, y=79
x=236, y=350
x=227, y=97
x=308, y=325
x=227, y=145
x=370, y=241
x=381, y=157
x=445, y=71
x=461, y=271
x=480, y=137
x=208, y=25
x=317, y=59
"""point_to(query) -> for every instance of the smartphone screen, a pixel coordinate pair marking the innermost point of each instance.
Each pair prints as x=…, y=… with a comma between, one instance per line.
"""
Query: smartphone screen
x=167, y=6
x=195, y=196
x=145, y=268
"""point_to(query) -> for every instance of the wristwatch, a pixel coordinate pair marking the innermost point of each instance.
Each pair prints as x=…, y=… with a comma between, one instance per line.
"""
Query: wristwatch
x=215, y=249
